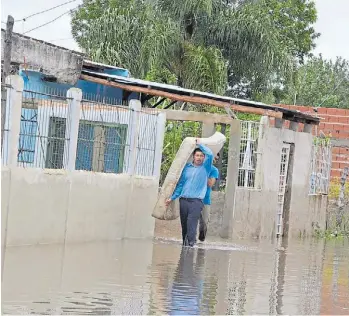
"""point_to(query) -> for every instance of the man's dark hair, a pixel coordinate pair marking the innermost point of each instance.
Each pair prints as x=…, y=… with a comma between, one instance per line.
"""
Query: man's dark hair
x=197, y=150
x=218, y=154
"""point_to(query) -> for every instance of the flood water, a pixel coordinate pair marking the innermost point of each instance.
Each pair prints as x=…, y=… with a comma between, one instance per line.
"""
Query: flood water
x=158, y=277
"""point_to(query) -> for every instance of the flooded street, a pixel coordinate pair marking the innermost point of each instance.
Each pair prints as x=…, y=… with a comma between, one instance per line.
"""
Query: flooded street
x=157, y=277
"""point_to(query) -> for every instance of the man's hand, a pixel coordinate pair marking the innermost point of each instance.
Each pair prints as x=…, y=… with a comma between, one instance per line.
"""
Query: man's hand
x=211, y=182
x=167, y=203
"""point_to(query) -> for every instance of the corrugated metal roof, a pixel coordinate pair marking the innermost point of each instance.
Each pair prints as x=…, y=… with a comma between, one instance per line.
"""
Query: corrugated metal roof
x=167, y=87
x=287, y=114
x=90, y=62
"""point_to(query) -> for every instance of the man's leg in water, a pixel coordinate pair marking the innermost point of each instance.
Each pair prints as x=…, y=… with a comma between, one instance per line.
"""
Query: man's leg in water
x=204, y=219
x=183, y=212
x=194, y=213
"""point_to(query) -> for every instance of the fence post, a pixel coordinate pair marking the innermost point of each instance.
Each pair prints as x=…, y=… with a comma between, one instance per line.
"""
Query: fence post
x=135, y=106
x=13, y=123
x=263, y=125
x=232, y=179
x=160, y=135
x=74, y=96
x=6, y=69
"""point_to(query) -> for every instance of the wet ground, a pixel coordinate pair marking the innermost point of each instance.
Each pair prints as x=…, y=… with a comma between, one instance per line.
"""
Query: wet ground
x=158, y=277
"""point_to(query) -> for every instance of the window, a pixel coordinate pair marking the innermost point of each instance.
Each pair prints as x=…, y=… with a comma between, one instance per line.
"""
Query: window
x=248, y=154
x=320, y=167
x=101, y=147
x=55, y=143
x=27, y=136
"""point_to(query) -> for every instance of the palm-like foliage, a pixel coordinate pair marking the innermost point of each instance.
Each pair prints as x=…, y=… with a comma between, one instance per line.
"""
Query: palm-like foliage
x=128, y=37
x=200, y=42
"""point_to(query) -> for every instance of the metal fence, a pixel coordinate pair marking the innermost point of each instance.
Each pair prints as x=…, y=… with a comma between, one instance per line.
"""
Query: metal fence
x=103, y=137
x=320, y=167
x=248, y=153
x=105, y=133
x=105, y=142
x=44, y=129
x=284, y=163
x=146, y=143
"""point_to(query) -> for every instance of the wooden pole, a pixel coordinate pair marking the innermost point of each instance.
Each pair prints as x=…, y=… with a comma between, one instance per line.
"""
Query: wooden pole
x=6, y=71
x=183, y=98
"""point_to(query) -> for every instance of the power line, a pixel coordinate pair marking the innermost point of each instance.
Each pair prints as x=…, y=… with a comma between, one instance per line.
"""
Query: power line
x=57, y=6
x=60, y=39
x=37, y=27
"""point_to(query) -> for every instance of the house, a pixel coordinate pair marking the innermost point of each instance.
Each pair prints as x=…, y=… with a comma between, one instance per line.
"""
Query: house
x=45, y=90
x=80, y=116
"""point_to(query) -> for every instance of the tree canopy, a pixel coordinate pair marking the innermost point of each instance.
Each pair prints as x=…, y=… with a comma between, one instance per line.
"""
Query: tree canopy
x=211, y=45
x=320, y=82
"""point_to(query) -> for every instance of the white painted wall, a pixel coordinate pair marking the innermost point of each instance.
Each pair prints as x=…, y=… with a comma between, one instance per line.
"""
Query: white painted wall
x=148, y=135
x=144, y=137
x=56, y=206
x=255, y=210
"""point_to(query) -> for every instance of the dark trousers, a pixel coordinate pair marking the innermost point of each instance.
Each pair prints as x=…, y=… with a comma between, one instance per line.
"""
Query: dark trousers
x=190, y=211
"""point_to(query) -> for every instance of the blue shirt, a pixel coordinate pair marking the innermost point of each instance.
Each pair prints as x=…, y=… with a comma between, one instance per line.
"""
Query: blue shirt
x=193, y=180
x=213, y=174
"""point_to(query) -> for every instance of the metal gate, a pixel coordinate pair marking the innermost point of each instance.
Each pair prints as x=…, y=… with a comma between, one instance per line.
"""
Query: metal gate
x=285, y=156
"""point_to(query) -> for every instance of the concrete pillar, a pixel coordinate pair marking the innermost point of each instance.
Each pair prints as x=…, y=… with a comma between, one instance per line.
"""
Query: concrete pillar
x=307, y=128
x=13, y=118
x=10, y=145
x=160, y=135
x=232, y=179
x=135, y=107
x=263, y=126
x=208, y=129
x=294, y=126
x=74, y=96
x=279, y=122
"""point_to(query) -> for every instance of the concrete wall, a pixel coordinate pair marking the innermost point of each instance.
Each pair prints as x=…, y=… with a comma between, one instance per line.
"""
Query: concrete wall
x=57, y=206
x=60, y=62
x=254, y=214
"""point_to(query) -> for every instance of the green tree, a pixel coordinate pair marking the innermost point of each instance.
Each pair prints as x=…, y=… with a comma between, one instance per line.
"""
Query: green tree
x=200, y=42
x=320, y=82
x=295, y=19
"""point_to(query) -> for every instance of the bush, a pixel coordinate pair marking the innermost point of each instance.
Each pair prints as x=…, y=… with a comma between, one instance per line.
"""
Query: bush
x=335, y=189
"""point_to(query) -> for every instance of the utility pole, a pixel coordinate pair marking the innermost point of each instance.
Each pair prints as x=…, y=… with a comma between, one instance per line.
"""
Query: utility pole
x=6, y=71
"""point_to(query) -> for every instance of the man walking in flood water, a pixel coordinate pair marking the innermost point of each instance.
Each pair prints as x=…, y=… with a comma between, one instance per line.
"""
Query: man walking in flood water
x=191, y=190
x=205, y=214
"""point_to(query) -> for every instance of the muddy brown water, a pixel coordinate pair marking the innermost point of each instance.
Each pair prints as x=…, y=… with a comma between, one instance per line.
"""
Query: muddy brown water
x=159, y=277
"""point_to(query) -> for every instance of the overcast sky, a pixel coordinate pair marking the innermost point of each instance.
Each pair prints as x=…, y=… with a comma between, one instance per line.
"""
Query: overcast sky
x=333, y=23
